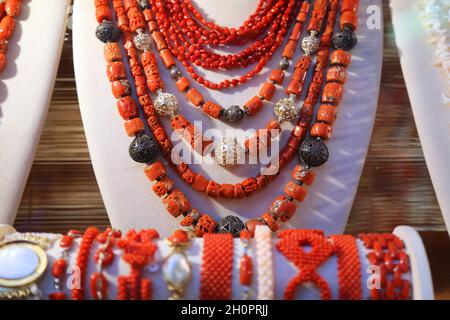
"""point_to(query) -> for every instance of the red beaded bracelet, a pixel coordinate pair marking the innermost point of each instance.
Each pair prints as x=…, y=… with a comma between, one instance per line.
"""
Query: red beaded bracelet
x=217, y=267
x=349, y=267
x=387, y=253
x=60, y=265
x=82, y=261
x=139, y=251
x=292, y=245
x=103, y=258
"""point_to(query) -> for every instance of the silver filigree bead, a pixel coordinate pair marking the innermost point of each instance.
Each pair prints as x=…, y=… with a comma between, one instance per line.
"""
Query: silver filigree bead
x=228, y=152
x=310, y=44
x=142, y=41
x=166, y=104
x=286, y=109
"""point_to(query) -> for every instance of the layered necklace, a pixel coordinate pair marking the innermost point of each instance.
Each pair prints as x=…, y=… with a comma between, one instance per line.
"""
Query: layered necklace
x=175, y=30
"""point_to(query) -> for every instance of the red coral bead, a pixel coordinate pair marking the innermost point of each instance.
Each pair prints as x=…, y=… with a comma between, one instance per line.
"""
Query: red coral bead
x=57, y=296
x=59, y=267
x=246, y=271
x=66, y=241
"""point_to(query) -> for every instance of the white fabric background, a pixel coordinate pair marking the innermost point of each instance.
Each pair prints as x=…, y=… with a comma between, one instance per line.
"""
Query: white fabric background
x=26, y=85
x=425, y=83
x=127, y=193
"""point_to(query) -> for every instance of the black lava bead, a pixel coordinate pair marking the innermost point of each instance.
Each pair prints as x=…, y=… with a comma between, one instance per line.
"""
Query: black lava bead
x=234, y=114
x=231, y=224
x=344, y=40
x=143, y=149
x=313, y=153
x=107, y=32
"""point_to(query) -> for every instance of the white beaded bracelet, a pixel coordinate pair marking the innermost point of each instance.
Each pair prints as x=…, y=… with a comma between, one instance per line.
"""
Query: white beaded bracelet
x=264, y=262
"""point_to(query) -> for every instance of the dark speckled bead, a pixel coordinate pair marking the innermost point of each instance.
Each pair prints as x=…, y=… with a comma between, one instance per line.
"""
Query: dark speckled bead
x=230, y=224
x=313, y=153
x=144, y=4
x=107, y=32
x=344, y=40
x=233, y=114
x=143, y=149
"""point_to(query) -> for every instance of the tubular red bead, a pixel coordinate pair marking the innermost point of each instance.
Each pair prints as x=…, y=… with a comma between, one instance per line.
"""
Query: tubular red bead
x=340, y=58
x=267, y=91
x=321, y=130
x=277, y=76
x=254, y=105
x=332, y=93
x=303, y=175
x=183, y=84
x=245, y=271
x=59, y=268
x=327, y=114
x=167, y=58
x=295, y=191
x=337, y=74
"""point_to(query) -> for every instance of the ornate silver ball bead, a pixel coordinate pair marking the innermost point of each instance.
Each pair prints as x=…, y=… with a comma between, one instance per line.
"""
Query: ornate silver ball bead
x=286, y=109
x=166, y=104
x=310, y=44
x=142, y=41
x=228, y=152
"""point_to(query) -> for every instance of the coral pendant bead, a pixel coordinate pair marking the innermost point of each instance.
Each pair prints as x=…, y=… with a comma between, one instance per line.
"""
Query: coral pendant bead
x=246, y=271
x=59, y=267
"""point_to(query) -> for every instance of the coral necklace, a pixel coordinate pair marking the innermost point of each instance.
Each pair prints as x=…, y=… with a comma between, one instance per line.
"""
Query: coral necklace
x=312, y=152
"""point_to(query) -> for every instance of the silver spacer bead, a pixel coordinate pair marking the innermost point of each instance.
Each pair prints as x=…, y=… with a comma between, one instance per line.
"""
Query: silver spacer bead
x=310, y=44
x=166, y=104
x=284, y=63
x=286, y=109
x=142, y=41
x=175, y=72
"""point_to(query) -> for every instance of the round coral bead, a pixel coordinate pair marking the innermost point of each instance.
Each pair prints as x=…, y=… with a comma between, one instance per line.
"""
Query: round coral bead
x=7, y=25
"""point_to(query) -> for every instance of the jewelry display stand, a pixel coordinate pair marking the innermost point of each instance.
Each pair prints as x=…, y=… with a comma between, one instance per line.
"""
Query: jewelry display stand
x=431, y=114
x=26, y=86
x=127, y=193
x=420, y=275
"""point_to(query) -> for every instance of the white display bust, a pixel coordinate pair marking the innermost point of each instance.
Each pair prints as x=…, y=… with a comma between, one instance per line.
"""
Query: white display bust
x=25, y=91
x=127, y=193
